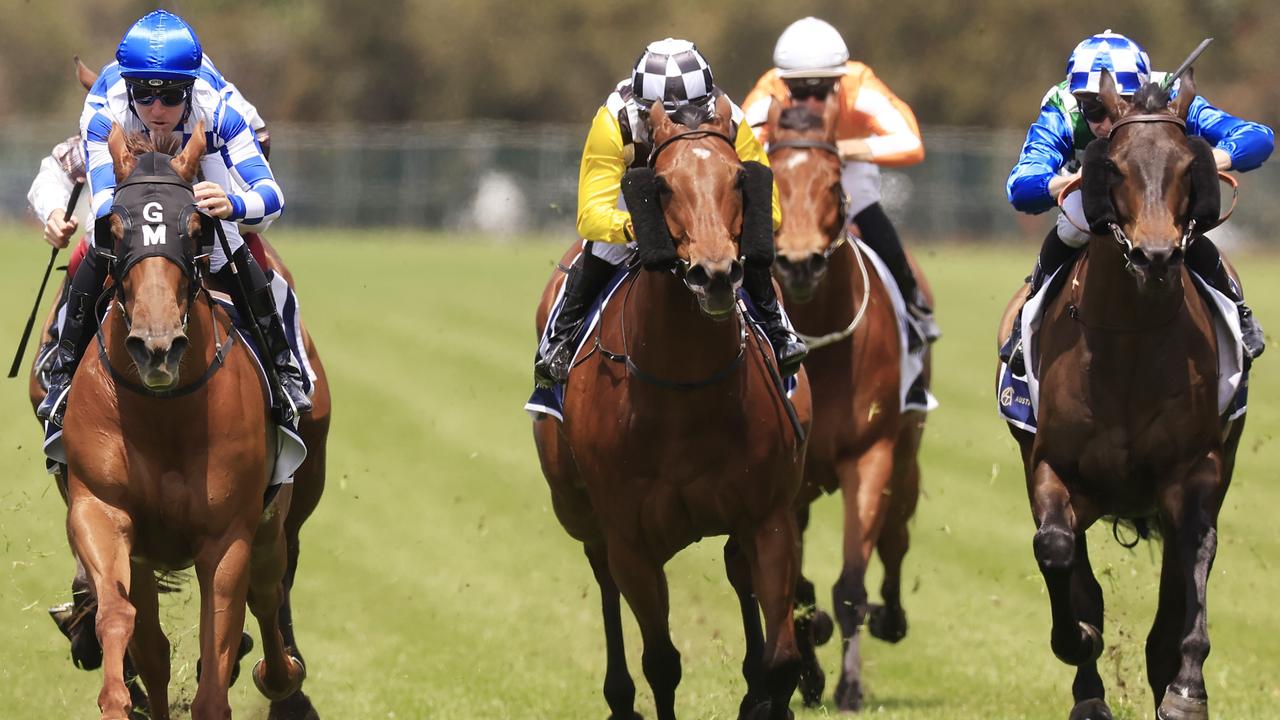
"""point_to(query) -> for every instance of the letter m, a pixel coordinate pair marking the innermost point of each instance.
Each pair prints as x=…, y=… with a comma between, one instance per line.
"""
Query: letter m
x=153, y=234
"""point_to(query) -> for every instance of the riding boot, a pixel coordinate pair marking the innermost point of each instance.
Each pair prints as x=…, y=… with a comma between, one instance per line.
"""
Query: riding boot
x=1053, y=253
x=584, y=280
x=790, y=349
x=1204, y=259
x=879, y=234
x=261, y=305
x=78, y=326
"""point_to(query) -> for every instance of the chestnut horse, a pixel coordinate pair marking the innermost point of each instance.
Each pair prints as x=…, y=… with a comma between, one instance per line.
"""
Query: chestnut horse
x=1128, y=417
x=689, y=437
x=863, y=443
x=144, y=493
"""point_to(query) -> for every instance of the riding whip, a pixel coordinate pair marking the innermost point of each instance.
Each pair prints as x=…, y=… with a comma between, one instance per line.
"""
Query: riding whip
x=1195, y=54
x=31, y=321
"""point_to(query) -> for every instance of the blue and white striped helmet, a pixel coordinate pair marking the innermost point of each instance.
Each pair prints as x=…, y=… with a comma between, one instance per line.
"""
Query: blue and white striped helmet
x=161, y=48
x=1124, y=58
x=674, y=73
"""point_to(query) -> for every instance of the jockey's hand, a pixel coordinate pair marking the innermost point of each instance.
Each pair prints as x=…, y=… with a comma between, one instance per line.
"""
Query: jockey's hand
x=854, y=149
x=212, y=200
x=1222, y=159
x=59, y=228
x=1058, y=182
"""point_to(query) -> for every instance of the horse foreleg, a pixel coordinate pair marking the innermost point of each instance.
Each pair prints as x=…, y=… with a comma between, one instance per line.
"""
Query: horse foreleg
x=619, y=688
x=150, y=647
x=222, y=565
x=1074, y=642
x=1086, y=596
x=812, y=626
x=888, y=622
x=102, y=537
x=774, y=568
x=278, y=675
x=737, y=568
x=1193, y=509
x=1163, y=654
x=643, y=583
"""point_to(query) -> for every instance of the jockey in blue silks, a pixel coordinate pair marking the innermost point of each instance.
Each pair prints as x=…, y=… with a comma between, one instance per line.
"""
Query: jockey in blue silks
x=1072, y=116
x=160, y=84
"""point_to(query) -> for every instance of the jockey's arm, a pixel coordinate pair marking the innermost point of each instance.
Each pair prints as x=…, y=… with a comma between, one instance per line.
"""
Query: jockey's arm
x=756, y=107
x=50, y=190
x=600, y=183
x=1237, y=144
x=256, y=198
x=1048, y=146
x=894, y=138
x=98, y=164
x=749, y=149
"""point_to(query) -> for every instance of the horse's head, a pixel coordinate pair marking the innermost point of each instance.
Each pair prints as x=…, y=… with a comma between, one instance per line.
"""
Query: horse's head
x=694, y=206
x=154, y=234
x=806, y=165
x=1150, y=185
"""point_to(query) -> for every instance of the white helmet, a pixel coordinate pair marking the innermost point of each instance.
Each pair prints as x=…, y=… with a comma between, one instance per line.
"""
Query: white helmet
x=810, y=47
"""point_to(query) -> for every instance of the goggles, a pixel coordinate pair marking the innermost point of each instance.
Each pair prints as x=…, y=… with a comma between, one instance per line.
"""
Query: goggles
x=168, y=95
x=806, y=88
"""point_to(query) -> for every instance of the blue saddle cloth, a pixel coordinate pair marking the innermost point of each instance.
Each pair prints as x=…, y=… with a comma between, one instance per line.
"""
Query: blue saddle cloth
x=550, y=401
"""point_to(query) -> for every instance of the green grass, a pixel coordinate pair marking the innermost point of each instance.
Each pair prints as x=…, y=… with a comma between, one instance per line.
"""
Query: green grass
x=436, y=583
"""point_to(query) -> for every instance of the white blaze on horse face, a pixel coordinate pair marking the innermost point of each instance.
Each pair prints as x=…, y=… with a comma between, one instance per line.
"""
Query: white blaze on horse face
x=799, y=158
x=702, y=153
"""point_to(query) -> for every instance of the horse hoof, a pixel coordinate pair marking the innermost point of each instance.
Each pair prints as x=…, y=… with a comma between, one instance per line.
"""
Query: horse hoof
x=1093, y=709
x=812, y=682
x=887, y=624
x=1177, y=706
x=1090, y=647
x=259, y=679
x=764, y=711
x=295, y=707
x=822, y=627
x=79, y=625
x=632, y=716
x=848, y=696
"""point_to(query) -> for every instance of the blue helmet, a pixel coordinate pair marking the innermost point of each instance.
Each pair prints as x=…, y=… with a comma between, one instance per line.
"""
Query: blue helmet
x=1124, y=58
x=161, y=49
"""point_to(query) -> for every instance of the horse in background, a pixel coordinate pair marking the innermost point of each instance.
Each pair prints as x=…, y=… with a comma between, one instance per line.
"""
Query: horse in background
x=144, y=495
x=1129, y=423
x=864, y=444
x=673, y=427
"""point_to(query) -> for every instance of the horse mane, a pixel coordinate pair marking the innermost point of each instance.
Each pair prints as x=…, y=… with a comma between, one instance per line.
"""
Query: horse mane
x=799, y=118
x=165, y=143
x=690, y=115
x=1150, y=98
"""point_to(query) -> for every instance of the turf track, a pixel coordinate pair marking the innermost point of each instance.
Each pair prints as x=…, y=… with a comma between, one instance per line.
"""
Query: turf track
x=436, y=583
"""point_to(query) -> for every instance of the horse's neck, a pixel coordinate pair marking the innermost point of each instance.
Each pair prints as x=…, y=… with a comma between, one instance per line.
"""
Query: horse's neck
x=669, y=336
x=1109, y=295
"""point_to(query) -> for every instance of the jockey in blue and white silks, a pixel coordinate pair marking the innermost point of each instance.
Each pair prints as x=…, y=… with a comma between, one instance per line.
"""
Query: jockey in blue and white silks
x=1071, y=116
x=161, y=83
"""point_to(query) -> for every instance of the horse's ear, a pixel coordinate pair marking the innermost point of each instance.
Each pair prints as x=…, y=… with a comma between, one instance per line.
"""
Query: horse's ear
x=1186, y=94
x=86, y=76
x=831, y=116
x=187, y=162
x=1110, y=98
x=122, y=158
x=724, y=114
x=660, y=126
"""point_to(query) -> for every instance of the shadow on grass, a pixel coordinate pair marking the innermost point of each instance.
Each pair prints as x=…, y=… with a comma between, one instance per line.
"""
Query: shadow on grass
x=828, y=707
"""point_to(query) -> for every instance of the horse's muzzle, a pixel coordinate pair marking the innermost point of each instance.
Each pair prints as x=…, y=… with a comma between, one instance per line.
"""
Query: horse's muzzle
x=1156, y=265
x=158, y=358
x=716, y=286
x=800, y=276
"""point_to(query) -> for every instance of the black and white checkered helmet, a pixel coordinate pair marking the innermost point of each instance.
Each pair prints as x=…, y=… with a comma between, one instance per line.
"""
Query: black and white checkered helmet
x=672, y=72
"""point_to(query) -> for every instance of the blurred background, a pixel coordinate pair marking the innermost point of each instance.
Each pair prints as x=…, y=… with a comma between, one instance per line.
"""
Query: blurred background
x=470, y=116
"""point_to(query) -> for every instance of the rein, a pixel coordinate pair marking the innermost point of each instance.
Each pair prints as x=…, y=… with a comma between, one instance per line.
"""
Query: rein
x=803, y=144
x=625, y=356
x=691, y=135
x=1073, y=308
x=819, y=341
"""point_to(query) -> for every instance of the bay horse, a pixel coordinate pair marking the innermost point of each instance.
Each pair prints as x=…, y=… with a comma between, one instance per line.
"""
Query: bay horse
x=1128, y=419
x=864, y=443
x=689, y=437
x=145, y=495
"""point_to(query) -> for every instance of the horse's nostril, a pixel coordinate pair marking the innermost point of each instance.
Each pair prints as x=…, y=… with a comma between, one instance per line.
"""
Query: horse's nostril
x=697, y=276
x=137, y=348
x=735, y=273
x=177, y=349
x=817, y=262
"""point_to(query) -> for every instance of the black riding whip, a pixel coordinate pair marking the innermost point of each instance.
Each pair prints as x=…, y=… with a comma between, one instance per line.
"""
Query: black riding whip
x=31, y=321
x=1173, y=76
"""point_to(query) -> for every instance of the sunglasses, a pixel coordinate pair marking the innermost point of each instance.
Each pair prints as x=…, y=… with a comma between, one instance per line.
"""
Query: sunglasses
x=811, y=88
x=1093, y=110
x=171, y=96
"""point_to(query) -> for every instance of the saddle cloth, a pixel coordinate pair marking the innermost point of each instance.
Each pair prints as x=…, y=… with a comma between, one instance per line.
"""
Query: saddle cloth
x=1018, y=398
x=913, y=392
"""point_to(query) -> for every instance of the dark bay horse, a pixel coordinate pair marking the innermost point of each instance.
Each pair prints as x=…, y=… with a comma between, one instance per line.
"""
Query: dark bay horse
x=690, y=437
x=1128, y=418
x=863, y=443
x=167, y=393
